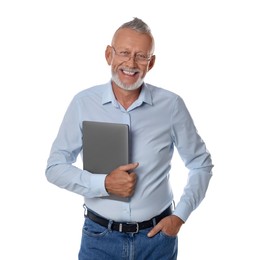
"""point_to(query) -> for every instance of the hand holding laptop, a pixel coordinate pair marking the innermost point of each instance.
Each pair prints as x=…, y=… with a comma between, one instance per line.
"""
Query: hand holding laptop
x=120, y=182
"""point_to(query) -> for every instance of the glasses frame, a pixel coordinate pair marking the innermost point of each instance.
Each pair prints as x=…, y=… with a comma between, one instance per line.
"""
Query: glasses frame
x=136, y=58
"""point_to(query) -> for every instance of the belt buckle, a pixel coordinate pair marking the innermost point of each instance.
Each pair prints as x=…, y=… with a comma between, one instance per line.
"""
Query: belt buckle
x=137, y=227
x=131, y=223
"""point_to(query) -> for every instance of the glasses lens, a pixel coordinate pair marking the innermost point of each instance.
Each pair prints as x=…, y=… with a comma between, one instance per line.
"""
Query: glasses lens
x=124, y=55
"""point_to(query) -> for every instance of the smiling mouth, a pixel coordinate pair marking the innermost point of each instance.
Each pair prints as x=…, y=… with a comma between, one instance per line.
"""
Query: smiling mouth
x=129, y=72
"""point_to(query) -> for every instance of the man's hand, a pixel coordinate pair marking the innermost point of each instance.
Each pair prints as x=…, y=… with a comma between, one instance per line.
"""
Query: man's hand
x=170, y=225
x=120, y=182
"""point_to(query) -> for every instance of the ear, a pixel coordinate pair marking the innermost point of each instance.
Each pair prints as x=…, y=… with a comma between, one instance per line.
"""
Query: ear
x=108, y=54
x=151, y=62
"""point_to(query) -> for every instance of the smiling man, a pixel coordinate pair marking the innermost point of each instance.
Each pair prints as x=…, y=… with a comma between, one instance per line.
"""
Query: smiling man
x=145, y=225
x=134, y=58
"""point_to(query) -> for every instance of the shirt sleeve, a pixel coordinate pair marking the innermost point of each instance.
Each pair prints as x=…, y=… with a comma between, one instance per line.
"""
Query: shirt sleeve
x=195, y=156
x=60, y=168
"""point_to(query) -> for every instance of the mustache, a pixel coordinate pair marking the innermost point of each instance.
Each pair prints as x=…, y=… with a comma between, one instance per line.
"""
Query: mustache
x=131, y=70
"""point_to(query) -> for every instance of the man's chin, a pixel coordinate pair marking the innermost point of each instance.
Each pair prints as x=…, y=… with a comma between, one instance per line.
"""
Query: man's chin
x=129, y=87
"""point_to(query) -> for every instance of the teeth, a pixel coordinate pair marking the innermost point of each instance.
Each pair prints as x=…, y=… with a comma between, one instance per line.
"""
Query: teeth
x=128, y=72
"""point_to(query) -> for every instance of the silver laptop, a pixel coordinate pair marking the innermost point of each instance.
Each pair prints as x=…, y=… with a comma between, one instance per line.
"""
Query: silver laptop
x=105, y=146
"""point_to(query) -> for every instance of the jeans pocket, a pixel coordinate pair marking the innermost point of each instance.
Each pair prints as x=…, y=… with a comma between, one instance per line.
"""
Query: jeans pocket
x=93, y=229
x=166, y=235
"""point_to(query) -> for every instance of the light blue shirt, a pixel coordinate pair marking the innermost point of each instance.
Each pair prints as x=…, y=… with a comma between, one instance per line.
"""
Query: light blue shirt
x=158, y=121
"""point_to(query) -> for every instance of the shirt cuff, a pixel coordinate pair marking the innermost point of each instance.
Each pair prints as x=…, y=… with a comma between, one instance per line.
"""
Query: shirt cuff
x=183, y=211
x=98, y=181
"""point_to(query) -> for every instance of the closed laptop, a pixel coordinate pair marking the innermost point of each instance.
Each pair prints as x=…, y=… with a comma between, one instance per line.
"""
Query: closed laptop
x=105, y=146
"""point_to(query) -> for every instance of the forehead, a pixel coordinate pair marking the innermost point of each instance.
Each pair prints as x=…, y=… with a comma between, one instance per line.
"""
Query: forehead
x=131, y=39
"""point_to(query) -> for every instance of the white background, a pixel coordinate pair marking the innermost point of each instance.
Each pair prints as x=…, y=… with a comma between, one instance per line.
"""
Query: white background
x=209, y=52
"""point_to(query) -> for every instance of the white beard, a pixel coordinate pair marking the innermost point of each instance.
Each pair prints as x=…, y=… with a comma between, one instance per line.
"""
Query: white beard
x=134, y=86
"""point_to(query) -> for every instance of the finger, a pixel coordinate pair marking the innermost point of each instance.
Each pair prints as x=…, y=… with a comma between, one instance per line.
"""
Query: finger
x=133, y=176
x=128, y=167
x=157, y=228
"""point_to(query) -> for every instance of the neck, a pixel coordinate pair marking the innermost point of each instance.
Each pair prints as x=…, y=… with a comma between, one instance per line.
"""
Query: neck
x=125, y=97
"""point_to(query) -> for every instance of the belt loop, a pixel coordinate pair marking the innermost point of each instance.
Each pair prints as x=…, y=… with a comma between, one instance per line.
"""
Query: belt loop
x=154, y=221
x=173, y=205
x=85, y=208
x=120, y=227
x=110, y=224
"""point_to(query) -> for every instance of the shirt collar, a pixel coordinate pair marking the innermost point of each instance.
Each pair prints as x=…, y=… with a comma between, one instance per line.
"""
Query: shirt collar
x=108, y=96
x=144, y=97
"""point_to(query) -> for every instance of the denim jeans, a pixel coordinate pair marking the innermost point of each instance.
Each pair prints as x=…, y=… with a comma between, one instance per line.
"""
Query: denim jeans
x=100, y=243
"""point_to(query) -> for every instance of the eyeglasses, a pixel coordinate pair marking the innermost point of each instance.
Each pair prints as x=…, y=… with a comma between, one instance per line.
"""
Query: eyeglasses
x=139, y=57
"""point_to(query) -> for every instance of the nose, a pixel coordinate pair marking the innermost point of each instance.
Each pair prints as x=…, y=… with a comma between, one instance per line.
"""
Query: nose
x=131, y=60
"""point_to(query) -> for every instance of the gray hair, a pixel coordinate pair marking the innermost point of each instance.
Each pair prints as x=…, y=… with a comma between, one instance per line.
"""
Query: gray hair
x=137, y=25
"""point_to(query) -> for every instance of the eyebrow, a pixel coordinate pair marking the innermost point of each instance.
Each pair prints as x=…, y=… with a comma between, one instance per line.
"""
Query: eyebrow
x=127, y=49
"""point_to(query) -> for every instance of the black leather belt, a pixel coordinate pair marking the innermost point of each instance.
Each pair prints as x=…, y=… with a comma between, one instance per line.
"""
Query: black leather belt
x=131, y=227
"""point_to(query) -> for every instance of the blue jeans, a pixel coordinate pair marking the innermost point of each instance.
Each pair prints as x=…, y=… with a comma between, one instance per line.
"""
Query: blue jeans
x=100, y=243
